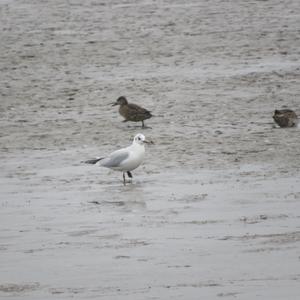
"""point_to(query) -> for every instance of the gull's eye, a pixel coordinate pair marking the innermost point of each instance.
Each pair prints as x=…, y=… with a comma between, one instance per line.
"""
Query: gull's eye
x=139, y=138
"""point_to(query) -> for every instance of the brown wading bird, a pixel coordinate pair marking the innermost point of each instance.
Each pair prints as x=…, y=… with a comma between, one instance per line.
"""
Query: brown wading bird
x=132, y=112
x=285, y=118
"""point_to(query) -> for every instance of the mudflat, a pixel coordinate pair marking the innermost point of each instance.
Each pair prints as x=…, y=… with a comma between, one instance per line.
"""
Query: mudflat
x=213, y=212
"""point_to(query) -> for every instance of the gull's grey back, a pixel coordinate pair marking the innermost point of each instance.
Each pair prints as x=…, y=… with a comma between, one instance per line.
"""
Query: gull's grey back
x=115, y=159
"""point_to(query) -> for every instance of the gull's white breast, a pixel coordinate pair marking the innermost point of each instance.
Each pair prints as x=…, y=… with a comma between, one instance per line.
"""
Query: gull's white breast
x=135, y=158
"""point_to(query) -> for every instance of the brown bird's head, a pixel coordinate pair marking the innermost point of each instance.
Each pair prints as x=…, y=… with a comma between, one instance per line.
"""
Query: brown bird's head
x=285, y=117
x=121, y=101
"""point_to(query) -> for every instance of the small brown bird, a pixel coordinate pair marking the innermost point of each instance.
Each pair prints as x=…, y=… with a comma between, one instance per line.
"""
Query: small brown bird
x=132, y=112
x=285, y=118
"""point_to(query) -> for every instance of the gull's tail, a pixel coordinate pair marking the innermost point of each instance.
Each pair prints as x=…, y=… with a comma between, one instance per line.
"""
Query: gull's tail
x=93, y=161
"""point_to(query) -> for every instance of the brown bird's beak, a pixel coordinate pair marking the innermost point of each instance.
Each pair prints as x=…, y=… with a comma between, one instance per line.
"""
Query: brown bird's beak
x=114, y=104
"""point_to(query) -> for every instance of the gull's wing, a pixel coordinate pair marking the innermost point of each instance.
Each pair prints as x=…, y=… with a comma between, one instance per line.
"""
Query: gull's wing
x=115, y=159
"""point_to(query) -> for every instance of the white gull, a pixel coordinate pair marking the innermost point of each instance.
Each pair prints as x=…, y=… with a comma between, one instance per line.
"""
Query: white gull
x=125, y=159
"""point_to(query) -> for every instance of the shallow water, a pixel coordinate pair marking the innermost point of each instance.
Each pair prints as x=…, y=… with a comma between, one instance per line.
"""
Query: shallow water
x=213, y=211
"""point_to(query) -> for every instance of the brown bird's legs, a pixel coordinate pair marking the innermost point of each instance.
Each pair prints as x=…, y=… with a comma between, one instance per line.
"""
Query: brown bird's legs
x=145, y=126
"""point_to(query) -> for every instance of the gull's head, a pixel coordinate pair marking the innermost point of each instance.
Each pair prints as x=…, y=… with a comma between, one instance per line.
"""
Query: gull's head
x=140, y=139
x=120, y=101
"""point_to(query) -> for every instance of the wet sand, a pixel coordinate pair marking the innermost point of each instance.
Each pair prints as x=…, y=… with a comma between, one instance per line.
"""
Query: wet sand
x=214, y=210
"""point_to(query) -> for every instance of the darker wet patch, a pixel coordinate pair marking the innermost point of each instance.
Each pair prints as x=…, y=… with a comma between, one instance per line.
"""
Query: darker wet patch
x=195, y=285
x=64, y=290
x=18, y=288
x=122, y=257
x=230, y=294
x=276, y=238
x=82, y=232
x=115, y=203
x=202, y=222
